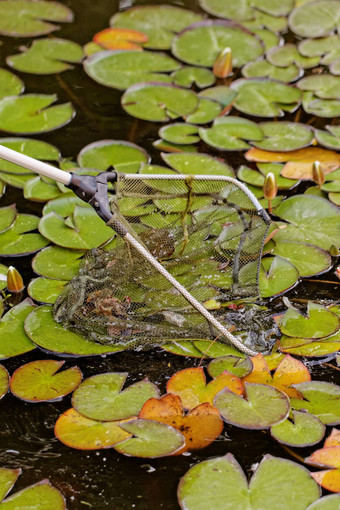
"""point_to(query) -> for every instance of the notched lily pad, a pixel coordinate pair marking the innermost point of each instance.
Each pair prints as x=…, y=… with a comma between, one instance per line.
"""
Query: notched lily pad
x=179, y=133
x=235, y=365
x=12, y=326
x=318, y=323
x=303, y=430
x=57, y=263
x=284, y=136
x=321, y=399
x=34, y=148
x=231, y=133
x=45, y=290
x=315, y=19
x=264, y=69
x=277, y=275
x=307, y=258
x=244, y=9
x=17, y=242
x=187, y=76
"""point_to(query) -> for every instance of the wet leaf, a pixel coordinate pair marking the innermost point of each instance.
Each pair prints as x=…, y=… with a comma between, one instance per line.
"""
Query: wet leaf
x=33, y=148
x=308, y=259
x=187, y=76
x=190, y=385
x=327, y=47
x=243, y=10
x=200, y=426
x=261, y=407
x=233, y=364
x=4, y=381
x=217, y=349
x=32, y=114
x=40, y=189
x=328, y=456
x=57, y=262
x=318, y=323
x=200, y=164
x=12, y=327
x=7, y=217
x=64, y=205
x=179, y=133
x=263, y=69
x=39, y=381
x=308, y=347
x=120, y=39
x=45, y=290
x=276, y=276
x=151, y=439
x=16, y=241
x=182, y=348
x=315, y=19
x=232, y=491
x=231, y=133
x=288, y=54
x=325, y=86
x=320, y=107
x=330, y=138
x=10, y=84
x=77, y=431
x=284, y=136
x=330, y=502
x=206, y=111
x=302, y=430
x=222, y=94
x=321, y=399
x=24, y=19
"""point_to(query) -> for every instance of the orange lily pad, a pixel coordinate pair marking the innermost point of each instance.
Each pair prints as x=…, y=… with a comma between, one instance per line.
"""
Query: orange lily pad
x=328, y=456
x=191, y=386
x=120, y=39
x=200, y=426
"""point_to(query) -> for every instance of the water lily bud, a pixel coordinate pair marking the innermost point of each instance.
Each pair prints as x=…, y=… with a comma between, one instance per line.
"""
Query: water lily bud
x=318, y=174
x=14, y=280
x=223, y=65
x=270, y=186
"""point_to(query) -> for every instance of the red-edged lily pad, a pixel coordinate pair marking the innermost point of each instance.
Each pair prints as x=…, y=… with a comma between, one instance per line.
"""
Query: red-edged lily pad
x=321, y=399
x=304, y=429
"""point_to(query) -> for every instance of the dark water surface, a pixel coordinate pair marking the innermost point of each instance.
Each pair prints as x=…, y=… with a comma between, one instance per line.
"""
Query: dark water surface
x=105, y=479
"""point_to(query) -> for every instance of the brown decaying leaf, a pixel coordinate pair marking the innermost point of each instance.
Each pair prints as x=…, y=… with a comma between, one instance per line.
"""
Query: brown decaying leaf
x=120, y=39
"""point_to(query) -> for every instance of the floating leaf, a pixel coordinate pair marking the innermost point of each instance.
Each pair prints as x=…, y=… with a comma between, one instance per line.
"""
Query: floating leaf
x=243, y=11
x=10, y=84
x=217, y=349
x=151, y=439
x=261, y=19
x=221, y=94
x=120, y=39
x=4, y=381
x=321, y=399
x=12, y=327
x=182, y=348
x=233, y=364
x=315, y=19
x=309, y=347
x=32, y=113
x=318, y=323
x=303, y=430
x=123, y=156
x=330, y=502
x=206, y=111
x=283, y=136
x=330, y=138
x=41, y=189
x=7, y=217
x=100, y=397
x=179, y=133
x=77, y=431
x=47, y=56
x=200, y=426
x=197, y=164
x=320, y=107
x=325, y=86
x=307, y=258
x=38, y=381
x=187, y=76
x=45, y=290
x=263, y=69
x=328, y=456
x=288, y=54
x=231, y=490
x=21, y=18
x=16, y=241
x=33, y=148
x=57, y=263
x=231, y=133
x=276, y=276
x=120, y=69
x=327, y=47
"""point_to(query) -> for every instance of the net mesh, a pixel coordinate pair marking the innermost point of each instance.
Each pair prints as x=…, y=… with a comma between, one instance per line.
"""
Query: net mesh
x=207, y=232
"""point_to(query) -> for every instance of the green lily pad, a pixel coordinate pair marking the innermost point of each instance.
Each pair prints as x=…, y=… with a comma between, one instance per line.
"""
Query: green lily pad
x=320, y=107
x=21, y=18
x=2, y=187
x=330, y=502
x=47, y=56
x=325, y=86
x=10, y=84
x=81, y=231
x=64, y=205
x=222, y=94
x=38, y=381
x=32, y=114
x=231, y=490
x=235, y=365
x=158, y=22
x=276, y=168
x=318, y=323
x=309, y=347
x=307, y=258
x=7, y=217
x=57, y=263
x=16, y=241
x=12, y=326
x=315, y=19
x=277, y=275
x=263, y=69
x=326, y=47
x=100, y=397
x=303, y=430
x=217, y=349
x=200, y=44
x=16, y=181
x=197, y=164
x=45, y=290
x=151, y=439
x=288, y=54
x=321, y=399
x=334, y=67
x=268, y=37
x=164, y=146
x=284, y=136
x=261, y=19
x=41, y=189
x=4, y=381
x=42, y=329
x=179, y=133
x=243, y=11
x=33, y=148
x=231, y=133
x=187, y=76
x=311, y=220
x=182, y=348
x=206, y=111
x=120, y=69
x=158, y=102
x=264, y=98
x=3, y=281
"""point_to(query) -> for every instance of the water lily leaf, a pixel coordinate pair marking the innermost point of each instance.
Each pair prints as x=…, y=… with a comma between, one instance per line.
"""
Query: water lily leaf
x=158, y=22
x=321, y=399
x=311, y=219
x=45, y=290
x=222, y=94
x=200, y=164
x=44, y=332
x=64, y=205
x=38, y=381
x=330, y=502
x=17, y=242
x=200, y=426
x=326, y=47
x=318, y=323
x=231, y=133
x=151, y=439
x=263, y=69
x=303, y=430
x=2, y=187
x=233, y=364
x=120, y=69
x=284, y=136
x=179, y=133
x=32, y=114
x=12, y=326
x=288, y=54
x=325, y=86
x=309, y=347
x=206, y=111
x=41, y=189
x=276, y=276
x=158, y=102
x=317, y=18
x=320, y=107
x=307, y=258
x=190, y=385
x=182, y=348
x=10, y=84
x=46, y=56
x=264, y=98
x=57, y=263
x=187, y=76
x=120, y=39
x=76, y=431
x=4, y=381
x=164, y=146
x=217, y=349
x=231, y=489
x=7, y=217
x=16, y=181
x=244, y=10
x=262, y=406
x=276, y=24
x=250, y=176
x=200, y=44
x=85, y=231
x=33, y=148
x=276, y=169
x=24, y=19
x=328, y=456
x=100, y=397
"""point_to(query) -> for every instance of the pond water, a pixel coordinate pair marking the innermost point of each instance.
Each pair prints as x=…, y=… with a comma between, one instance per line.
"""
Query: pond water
x=104, y=478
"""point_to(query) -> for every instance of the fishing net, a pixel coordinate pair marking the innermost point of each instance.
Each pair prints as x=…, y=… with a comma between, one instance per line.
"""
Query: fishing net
x=207, y=232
